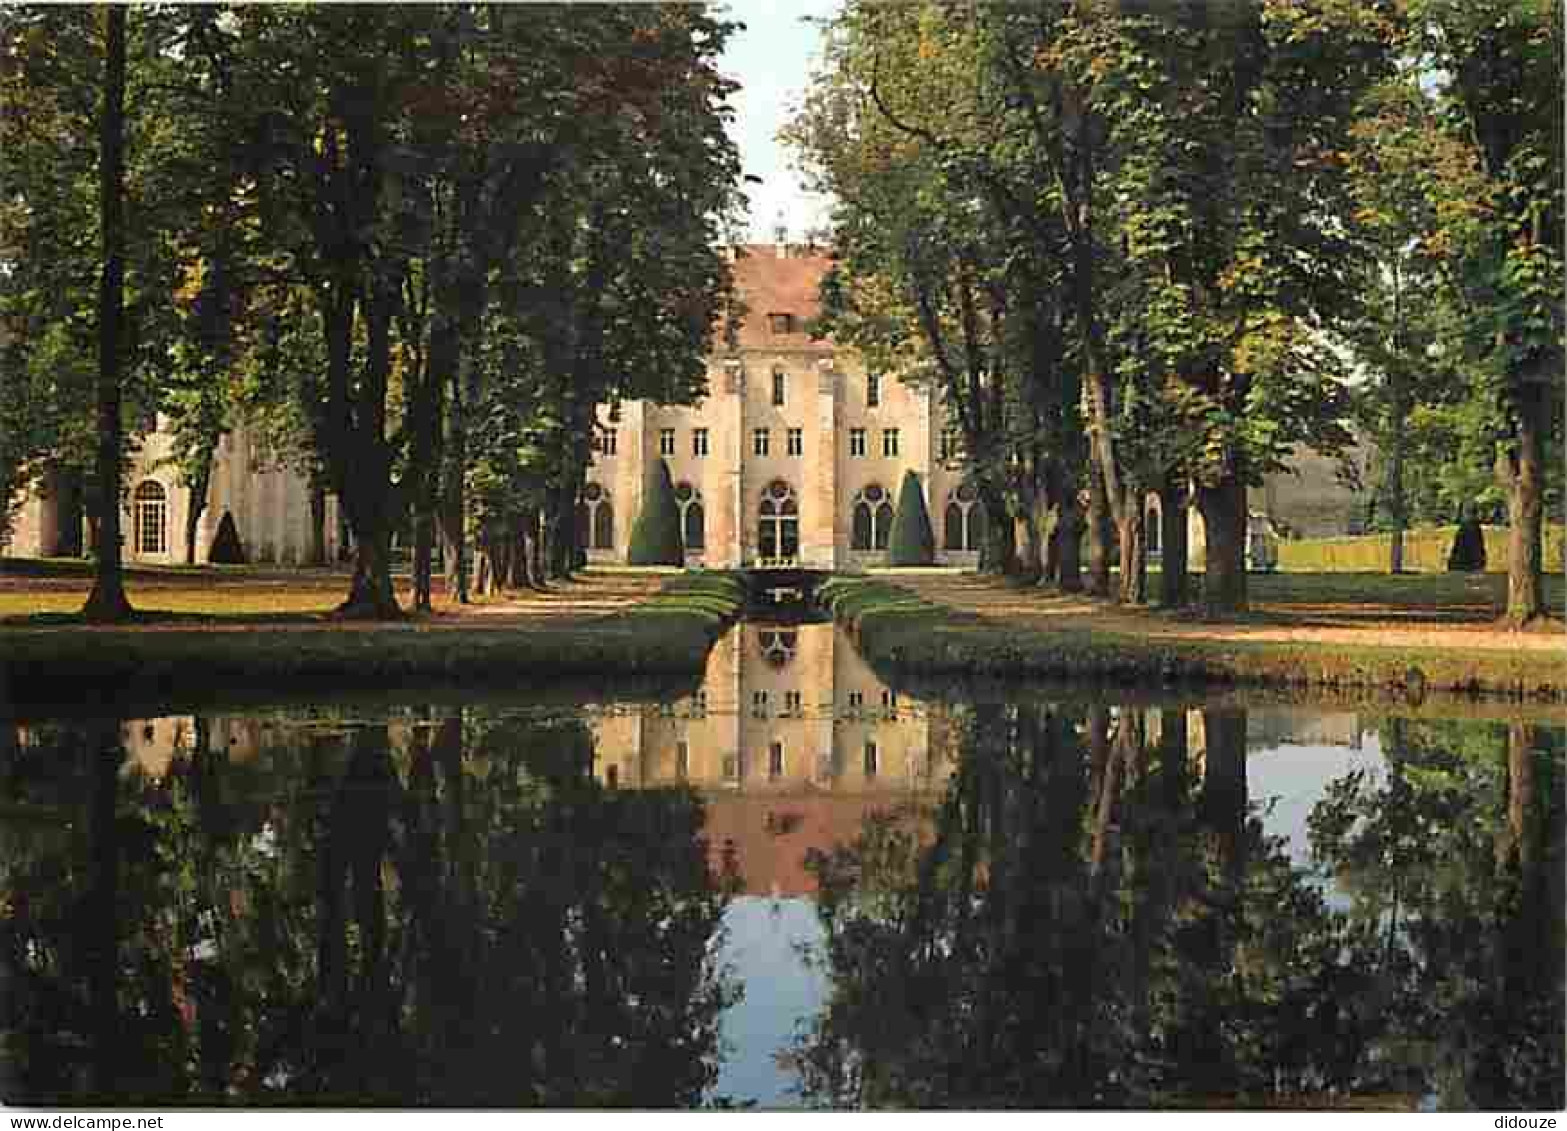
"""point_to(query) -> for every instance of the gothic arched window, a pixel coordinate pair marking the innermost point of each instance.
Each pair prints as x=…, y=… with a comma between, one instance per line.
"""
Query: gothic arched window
x=777, y=645
x=872, y=519
x=964, y=520
x=778, y=522
x=693, y=518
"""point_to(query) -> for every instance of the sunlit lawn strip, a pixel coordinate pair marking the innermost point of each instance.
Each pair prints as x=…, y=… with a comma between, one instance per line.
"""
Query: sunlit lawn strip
x=907, y=633
x=667, y=634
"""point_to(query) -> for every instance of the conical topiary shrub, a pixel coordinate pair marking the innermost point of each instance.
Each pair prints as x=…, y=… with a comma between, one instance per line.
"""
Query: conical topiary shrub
x=655, y=537
x=226, y=548
x=912, y=542
x=1468, y=552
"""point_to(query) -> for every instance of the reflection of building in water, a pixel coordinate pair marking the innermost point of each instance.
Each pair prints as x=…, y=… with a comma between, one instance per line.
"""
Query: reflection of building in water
x=152, y=745
x=792, y=737
x=1286, y=726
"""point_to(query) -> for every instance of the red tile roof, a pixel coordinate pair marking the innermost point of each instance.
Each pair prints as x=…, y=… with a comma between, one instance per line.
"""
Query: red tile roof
x=768, y=283
x=771, y=834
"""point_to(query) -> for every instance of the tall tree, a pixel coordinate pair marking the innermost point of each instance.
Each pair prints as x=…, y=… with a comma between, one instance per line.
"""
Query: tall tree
x=1498, y=195
x=107, y=601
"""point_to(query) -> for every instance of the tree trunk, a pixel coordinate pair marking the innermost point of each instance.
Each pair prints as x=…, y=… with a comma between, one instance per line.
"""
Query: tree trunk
x=100, y=930
x=1223, y=509
x=1224, y=797
x=559, y=542
x=1032, y=567
x=317, y=520
x=371, y=596
x=1516, y=838
x=424, y=559
x=1134, y=563
x=1174, y=552
x=1098, y=535
x=1069, y=540
x=108, y=602
x=1397, y=511
x=1525, y=509
x=198, y=504
x=998, y=552
x=535, y=523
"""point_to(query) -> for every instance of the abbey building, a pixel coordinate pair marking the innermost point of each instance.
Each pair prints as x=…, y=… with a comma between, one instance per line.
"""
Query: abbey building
x=797, y=452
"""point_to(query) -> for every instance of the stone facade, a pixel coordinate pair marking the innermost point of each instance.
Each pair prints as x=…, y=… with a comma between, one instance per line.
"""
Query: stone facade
x=794, y=437
x=270, y=505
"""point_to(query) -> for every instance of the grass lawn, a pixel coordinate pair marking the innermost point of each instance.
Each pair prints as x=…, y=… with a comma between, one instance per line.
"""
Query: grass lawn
x=1435, y=591
x=60, y=586
x=1407, y=634
x=271, y=629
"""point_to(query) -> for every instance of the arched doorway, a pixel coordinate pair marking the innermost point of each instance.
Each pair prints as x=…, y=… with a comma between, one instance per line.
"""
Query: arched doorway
x=778, y=522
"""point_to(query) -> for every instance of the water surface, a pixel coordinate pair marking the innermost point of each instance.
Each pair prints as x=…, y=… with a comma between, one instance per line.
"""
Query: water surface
x=797, y=885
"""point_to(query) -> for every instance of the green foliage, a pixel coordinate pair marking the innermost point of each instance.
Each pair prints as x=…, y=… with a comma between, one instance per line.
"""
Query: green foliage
x=656, y=535
x=912, y=541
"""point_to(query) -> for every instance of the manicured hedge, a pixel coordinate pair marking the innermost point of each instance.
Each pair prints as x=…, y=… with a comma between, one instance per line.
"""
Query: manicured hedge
x=656, y=537
x=912, y=542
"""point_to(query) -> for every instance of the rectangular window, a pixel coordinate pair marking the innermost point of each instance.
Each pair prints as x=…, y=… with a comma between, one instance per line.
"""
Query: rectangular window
x=781, y=323
x=682, y=760
x=856, y=700
x=731, y=767
x=797, y=441
x=778, y=387
x=889, y=704
x=949, y=444
x=699, y=705
x=699, y=441
x=872, y=390
x=759, y=704
x=607, y=442
x=889, y=442
x=872, y=760
x=614, y=413
x=792, y=703
x=775, y=761
x=666, y=441
x=760, y=441
x=856, y=441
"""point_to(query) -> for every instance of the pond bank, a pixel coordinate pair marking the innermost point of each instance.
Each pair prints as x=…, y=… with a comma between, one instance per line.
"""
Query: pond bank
x=937, y=626
x=668, y=634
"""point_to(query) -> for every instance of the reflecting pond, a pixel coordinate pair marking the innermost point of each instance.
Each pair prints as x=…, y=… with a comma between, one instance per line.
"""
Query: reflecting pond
x=796, y=885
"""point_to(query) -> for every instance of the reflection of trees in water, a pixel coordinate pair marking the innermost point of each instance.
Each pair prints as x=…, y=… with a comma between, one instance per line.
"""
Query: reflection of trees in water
x=1093, y=923
x=1454, y=856
x=459, y=917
